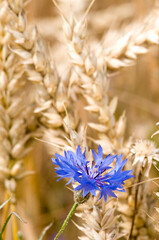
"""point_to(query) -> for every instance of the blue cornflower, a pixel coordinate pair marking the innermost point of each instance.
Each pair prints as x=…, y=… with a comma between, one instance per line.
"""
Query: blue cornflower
x=95, y=175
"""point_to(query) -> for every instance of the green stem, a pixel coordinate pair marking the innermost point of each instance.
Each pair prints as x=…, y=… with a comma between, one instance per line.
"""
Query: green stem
x=73, y=209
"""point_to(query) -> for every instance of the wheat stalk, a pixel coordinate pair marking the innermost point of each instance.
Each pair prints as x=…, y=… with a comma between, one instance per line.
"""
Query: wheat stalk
x=99, y=220
x=138, y=202
x=51, y=96
x=16, y=128
x=156, y=225
x=91, y=76
x=136, y=40
x=18, y=122
x=94, y=84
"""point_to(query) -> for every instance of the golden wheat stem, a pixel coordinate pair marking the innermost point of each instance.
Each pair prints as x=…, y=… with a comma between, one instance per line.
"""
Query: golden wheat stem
x=14, y=223
x=135, y=207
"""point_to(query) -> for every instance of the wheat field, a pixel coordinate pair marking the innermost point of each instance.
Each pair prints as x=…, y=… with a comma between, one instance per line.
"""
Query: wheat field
x=79, y=74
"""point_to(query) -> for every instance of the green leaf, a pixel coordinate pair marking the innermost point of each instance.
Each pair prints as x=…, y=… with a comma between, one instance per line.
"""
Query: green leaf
x=5, y=224
x=45, y=230
x=7, y=220
x=3, y=204
x=1, y=236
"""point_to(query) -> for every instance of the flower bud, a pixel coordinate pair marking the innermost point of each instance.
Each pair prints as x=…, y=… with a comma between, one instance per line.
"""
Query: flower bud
x=78, y=197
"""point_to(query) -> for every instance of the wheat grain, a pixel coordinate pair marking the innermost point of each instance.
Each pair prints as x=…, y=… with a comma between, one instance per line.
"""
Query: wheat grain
x=99, y=220
x=124, y=51
x=94, y=84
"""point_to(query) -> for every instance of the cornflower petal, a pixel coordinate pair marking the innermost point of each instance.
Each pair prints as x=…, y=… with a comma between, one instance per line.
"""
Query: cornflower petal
x=106, y=162
x=98, y=157
x=107, y=190
x=87, y=185
x=120, y=164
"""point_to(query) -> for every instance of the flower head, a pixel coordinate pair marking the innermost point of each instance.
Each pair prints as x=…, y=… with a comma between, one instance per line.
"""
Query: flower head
x=145, y=153
x=95, y=175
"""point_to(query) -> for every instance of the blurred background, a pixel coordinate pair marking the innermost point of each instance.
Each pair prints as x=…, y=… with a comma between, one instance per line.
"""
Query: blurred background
x=43, y=200
x=138, y=83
